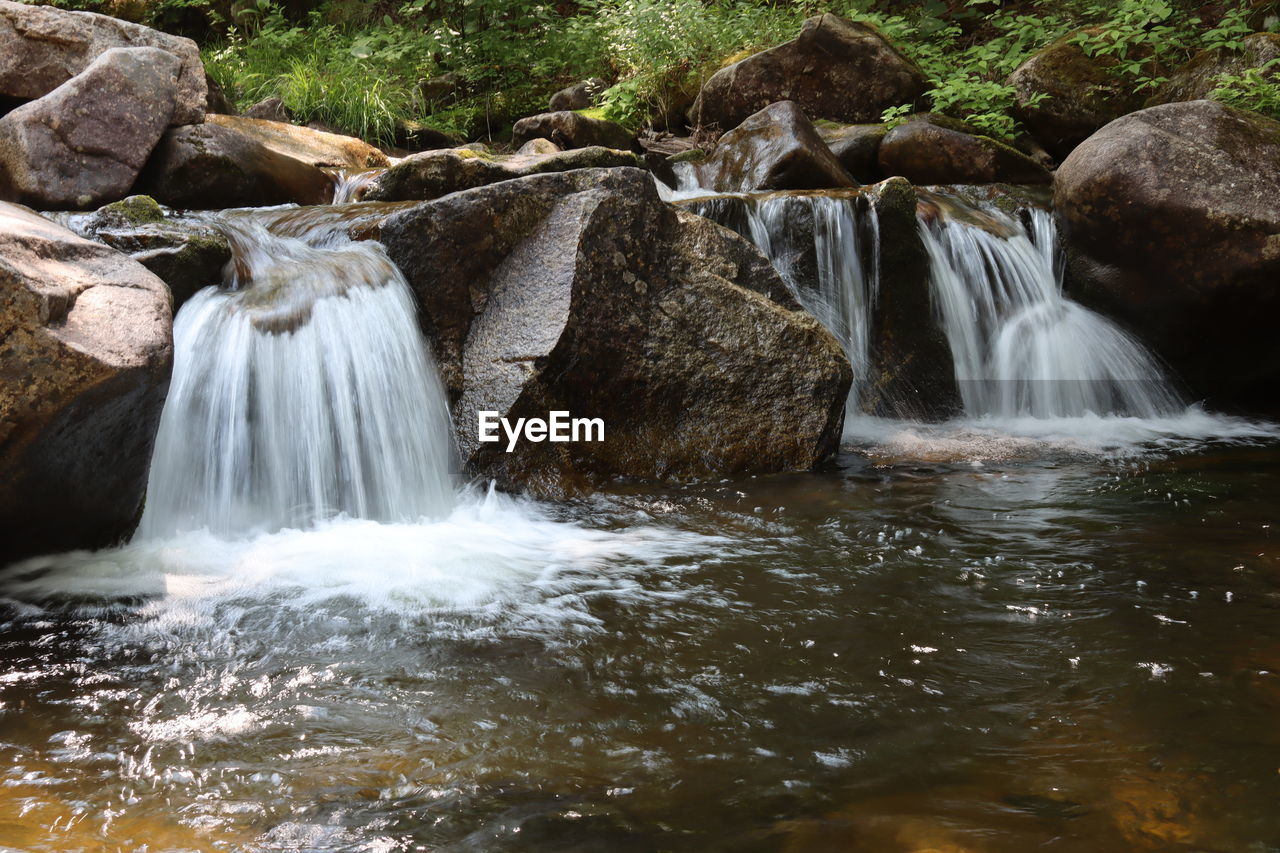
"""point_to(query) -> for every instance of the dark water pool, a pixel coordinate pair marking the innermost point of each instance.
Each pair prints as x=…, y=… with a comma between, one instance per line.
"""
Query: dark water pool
x=1047, y=650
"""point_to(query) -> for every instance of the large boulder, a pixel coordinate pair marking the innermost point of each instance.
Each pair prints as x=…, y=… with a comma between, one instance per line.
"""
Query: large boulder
x=777, y=148
x=572, y=130
x=834, y=69
x=1062, y=94
x=935, y=150
x=584, y=292
x=1199, y=77
x=186, y=253
x=85, y=142
x=86, y=343
x=432, y=174
x=42, y=47
x=1172, y=226
x=209, y=166
x=305, y=144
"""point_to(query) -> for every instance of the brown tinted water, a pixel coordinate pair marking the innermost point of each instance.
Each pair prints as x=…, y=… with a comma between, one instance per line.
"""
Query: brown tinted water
x=1046, y=649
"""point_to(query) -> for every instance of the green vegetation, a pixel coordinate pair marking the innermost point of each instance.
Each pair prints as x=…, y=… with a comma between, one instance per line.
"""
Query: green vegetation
x=470, y=67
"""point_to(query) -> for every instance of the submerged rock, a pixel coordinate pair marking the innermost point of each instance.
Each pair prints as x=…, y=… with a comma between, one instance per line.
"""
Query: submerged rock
x=1171, y=225
x=778, y=148
x=210, y=166
x=1063, y=95
x=42, y=47
x=85, y=142
x=835, y=69
x=86, y=340
x=932, y=149
x=432, y=174
x=584, y=292
x=185, y=253
x=304, y=144
x=572, y=130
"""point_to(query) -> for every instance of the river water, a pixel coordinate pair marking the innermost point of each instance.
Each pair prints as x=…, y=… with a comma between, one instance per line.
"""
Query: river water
x=1014, y=644
x=1017, y=631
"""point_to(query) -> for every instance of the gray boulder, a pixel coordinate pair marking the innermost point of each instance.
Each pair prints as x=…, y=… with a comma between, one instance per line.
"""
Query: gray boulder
x=1199, y=77
x=584, y=292
x=85, y=142
x=834, y=69
x=42, y=47
x=87, y=351
x=572, y=130
x=856, y=146
x=1171, y=224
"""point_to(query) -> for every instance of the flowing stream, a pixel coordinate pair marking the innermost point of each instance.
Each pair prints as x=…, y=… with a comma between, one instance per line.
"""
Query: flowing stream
x=1050, y=624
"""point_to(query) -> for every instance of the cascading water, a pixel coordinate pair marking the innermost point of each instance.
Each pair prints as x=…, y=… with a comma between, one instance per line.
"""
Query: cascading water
x=1021, y=347
x=814, y=242
x=301, y=390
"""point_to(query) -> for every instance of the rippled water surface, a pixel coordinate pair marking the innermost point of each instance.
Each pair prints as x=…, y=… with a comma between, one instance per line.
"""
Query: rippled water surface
x=949, y=642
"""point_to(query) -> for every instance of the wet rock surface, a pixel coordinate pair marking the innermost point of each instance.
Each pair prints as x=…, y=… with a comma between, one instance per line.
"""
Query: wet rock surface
x=777, y=148
x=1171, y=223
x=86, y=340
x=583, y=292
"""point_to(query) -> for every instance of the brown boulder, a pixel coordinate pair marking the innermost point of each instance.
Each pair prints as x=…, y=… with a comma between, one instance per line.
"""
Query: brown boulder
x=315, y=147
x=210, y=167
x=86, y=344
x=584, y=292
x=777, y=148
x=856, y=146
x=578, y=96
x=85, y=142
x=42, y=47
x=1171, y=225
x=835, y=69
x=432, y=174
x=1081, y=94
x=572, y=130
x=933, y=150
x=1199, y=77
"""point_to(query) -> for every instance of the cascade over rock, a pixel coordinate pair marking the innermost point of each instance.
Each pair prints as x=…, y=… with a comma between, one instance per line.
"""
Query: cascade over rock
x=305, y=144
x=1171, y=223
x=777, y=148
x=931, y=149
x=834, y=69
x=208, y=166
x=1082, y=94
x=85, y=142
x=572, y=130
x=42, y=47
x=431, y=174
x=187, y=254
x=86, y=343
x=584, y=292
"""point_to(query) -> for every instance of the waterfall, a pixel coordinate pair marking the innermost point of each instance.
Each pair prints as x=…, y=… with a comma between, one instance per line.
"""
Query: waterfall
x=302, y=389
x=1020, y=346
x=816, y=242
